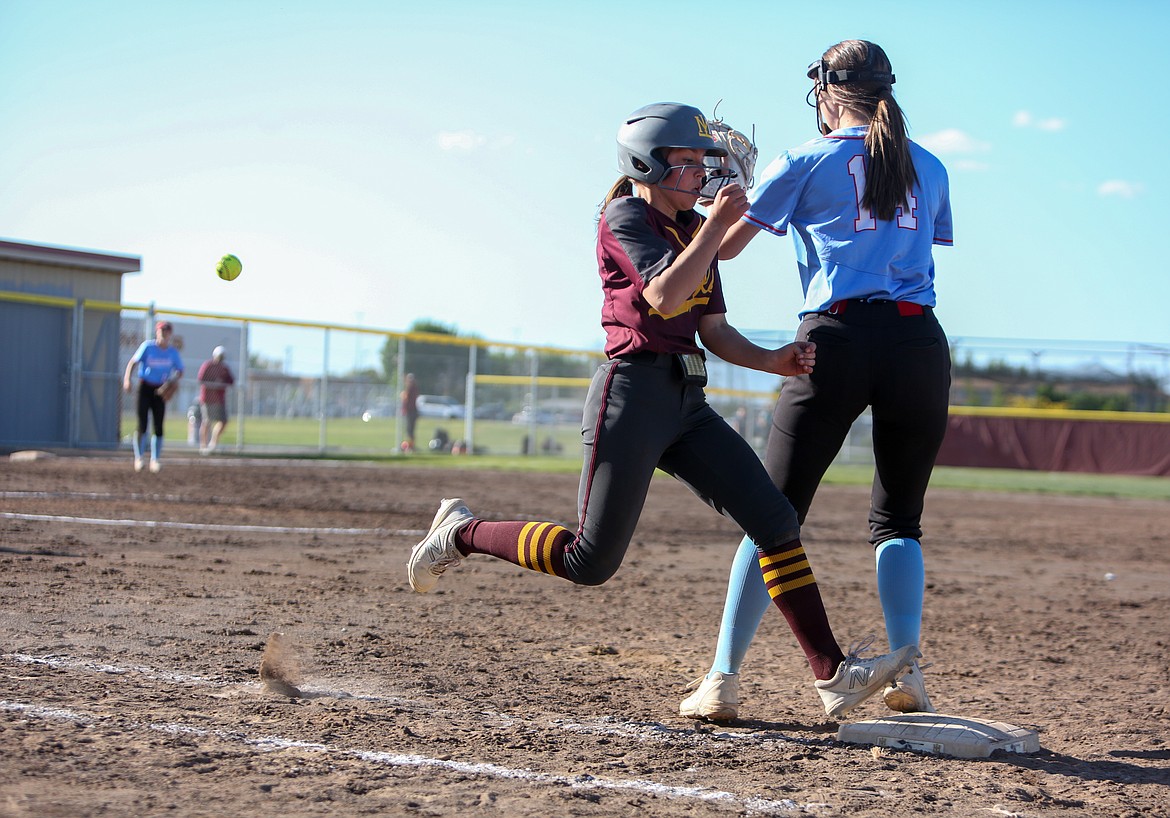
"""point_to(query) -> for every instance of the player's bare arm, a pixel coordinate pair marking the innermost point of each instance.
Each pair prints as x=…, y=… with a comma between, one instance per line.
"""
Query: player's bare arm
x=667, y=291
x=737, y=238
x=724, y=340
x=129, y=371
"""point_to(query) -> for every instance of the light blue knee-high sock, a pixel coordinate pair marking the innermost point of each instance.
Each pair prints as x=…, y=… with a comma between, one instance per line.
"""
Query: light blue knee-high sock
x=901, y=581
x=747, y=600
x=155, y=447
x=136, y=439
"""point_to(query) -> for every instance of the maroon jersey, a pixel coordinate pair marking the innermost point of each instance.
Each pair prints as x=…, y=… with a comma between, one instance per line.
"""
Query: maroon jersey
x=214, y=379
x=635, y=243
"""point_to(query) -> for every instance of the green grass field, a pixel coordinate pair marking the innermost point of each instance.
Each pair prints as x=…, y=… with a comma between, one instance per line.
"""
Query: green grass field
x=499, y=444
x=352, y=436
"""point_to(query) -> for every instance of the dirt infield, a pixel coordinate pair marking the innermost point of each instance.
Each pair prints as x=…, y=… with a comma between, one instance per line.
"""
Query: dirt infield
x=130, y=668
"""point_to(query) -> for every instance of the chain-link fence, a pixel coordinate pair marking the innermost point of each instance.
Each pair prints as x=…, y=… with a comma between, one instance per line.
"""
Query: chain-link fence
x=317, y=388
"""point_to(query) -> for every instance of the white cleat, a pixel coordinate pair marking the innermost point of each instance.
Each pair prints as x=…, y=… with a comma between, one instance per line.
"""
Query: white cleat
x=437, y=552
x=716, y=698
x=857, y=679
x=907, y=694
x=155, y=467
x=138, y=464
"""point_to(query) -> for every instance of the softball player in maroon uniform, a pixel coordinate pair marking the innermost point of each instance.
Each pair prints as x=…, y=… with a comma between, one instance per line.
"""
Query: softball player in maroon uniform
x=646, y=407
x=866, y=206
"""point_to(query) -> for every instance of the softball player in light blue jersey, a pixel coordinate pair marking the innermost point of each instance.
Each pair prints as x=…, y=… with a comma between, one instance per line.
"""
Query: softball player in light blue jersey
x=843, y=251
x=157, y=363
x=865, y=206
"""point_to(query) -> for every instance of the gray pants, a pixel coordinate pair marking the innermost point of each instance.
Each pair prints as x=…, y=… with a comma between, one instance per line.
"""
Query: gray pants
x=640, y=415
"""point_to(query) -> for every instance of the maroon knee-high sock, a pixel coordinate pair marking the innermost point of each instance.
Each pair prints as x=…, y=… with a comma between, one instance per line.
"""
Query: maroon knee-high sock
x=536, y=546
x=794, y=591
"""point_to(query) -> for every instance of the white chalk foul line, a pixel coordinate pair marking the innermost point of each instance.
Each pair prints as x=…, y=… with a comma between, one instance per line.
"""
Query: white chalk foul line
x=604, y=726
x=86, y=495
x=607, y=726
x=265, y=529
x=65, y=663
x=274, y=743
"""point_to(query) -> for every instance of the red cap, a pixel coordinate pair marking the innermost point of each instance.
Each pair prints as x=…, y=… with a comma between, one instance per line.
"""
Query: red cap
x=164, y=325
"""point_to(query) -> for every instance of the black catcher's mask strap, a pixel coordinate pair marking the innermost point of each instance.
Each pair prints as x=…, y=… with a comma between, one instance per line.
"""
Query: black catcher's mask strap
x=824, y=75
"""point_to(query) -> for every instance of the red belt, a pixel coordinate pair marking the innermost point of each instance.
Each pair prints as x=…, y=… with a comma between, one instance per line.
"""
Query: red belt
x=904, y=307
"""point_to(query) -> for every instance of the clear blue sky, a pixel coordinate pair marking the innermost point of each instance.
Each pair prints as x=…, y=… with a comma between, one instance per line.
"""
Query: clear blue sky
x=378, y=162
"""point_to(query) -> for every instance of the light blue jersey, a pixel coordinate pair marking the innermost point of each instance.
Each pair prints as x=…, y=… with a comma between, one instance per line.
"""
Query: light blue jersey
x=156, y=364
x=842, y=249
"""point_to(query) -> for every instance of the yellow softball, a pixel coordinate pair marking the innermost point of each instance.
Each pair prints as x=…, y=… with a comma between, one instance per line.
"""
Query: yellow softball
x=229, y=267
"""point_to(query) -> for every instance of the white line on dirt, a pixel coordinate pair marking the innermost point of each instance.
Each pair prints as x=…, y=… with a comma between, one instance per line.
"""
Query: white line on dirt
x=604, y=726
x=266, y=529
x=607, y=725
x=749, y=804
x=84, y=495
x=66, y=663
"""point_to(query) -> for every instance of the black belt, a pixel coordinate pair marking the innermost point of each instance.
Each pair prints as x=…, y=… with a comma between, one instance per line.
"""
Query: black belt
x=660, y=359
x=691, y=366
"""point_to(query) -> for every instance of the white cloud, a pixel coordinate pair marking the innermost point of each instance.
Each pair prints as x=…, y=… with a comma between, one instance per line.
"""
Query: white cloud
x=1024, y=119
x=1119, y=187
x=460, y=140
x=952, y=141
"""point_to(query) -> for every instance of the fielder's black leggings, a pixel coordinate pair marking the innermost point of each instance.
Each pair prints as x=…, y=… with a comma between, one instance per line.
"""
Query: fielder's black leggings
x=899, y=366
x=149, y=402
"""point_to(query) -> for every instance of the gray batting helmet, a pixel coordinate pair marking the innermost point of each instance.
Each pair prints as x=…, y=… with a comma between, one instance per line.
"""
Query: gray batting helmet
x=648, y=131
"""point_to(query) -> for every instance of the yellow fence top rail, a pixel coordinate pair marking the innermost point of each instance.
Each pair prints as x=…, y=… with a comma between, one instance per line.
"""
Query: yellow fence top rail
x=1060, y=414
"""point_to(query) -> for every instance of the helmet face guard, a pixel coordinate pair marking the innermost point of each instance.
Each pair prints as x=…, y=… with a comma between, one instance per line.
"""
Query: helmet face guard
x=647, y=133
x=676, y=185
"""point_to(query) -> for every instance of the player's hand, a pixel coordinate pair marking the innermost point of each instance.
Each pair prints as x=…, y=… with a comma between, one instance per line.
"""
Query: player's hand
x=728, y=206
x=797, y=358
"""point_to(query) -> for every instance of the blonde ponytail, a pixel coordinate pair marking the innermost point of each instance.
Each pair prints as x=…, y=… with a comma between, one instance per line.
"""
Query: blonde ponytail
x=624, y=186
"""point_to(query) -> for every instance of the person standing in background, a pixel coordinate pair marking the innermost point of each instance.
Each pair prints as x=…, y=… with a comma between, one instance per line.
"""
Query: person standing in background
x=409, y=411
x=159, y=364
x=214, y=380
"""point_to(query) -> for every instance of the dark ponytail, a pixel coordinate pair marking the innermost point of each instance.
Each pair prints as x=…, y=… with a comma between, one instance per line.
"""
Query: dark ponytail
x=890, y=172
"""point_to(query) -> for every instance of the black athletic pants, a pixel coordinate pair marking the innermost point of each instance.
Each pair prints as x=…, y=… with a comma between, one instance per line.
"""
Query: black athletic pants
x=868, y=355
x=150, y=402
x=641, y=415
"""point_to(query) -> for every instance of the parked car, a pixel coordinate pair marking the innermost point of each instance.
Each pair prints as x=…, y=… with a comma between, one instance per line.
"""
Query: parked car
x=526, y=416
x=491, y=411
x=547, y=416
x=439, y=406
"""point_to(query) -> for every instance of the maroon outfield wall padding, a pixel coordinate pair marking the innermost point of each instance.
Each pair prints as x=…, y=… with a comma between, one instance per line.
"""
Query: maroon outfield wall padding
x=1057, y=444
